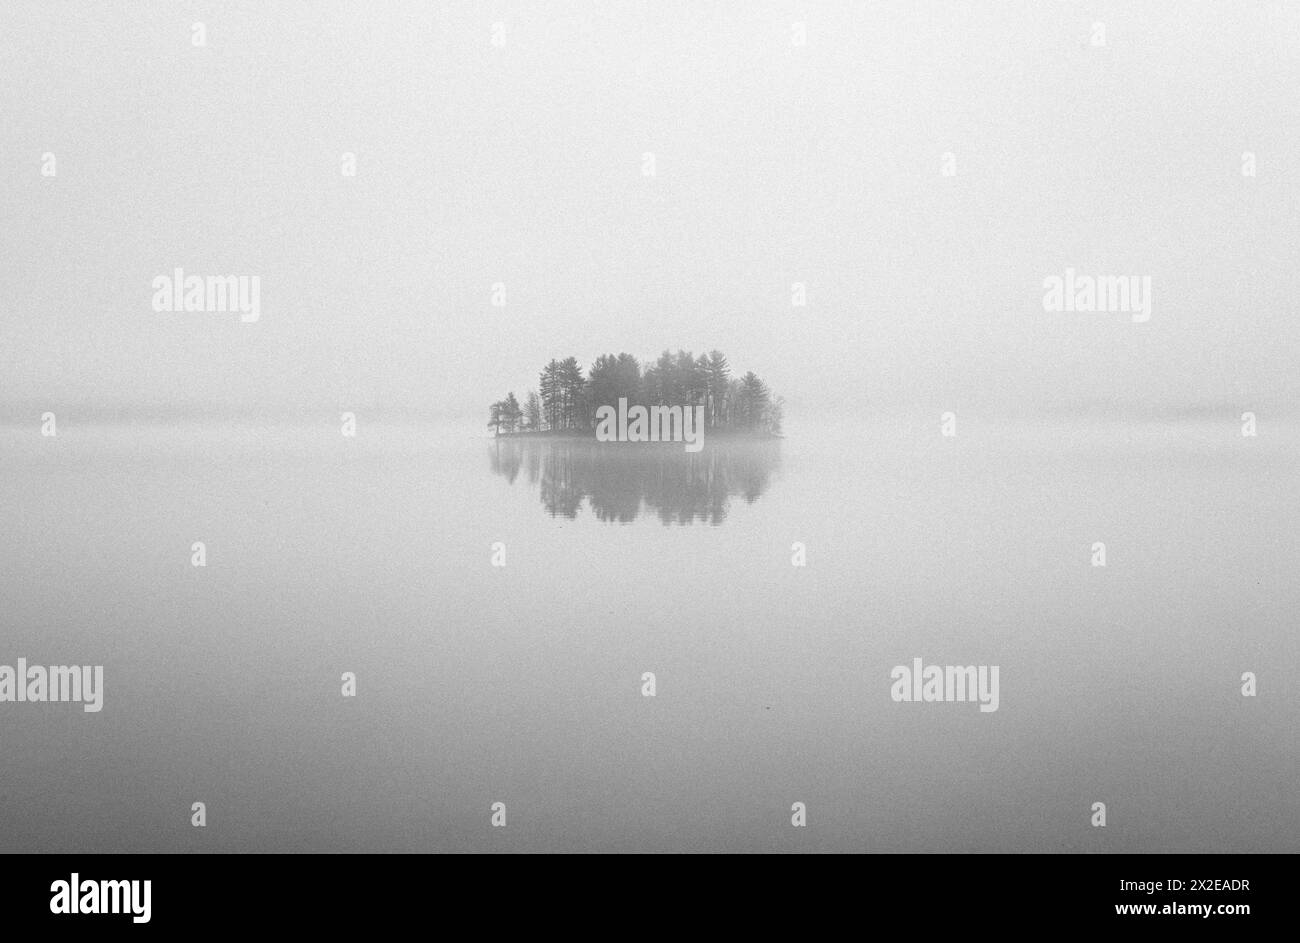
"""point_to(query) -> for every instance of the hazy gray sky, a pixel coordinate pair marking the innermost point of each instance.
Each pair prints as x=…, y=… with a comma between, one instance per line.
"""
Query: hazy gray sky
x=522, y=164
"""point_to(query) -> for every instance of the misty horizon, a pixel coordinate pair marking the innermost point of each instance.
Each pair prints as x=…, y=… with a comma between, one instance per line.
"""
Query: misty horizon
x=821, y=166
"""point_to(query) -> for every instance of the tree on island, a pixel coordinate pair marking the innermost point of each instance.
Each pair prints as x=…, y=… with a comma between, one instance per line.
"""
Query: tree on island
x=718, y=372
x=506, y=415
x=752, y=400
x=565, y=401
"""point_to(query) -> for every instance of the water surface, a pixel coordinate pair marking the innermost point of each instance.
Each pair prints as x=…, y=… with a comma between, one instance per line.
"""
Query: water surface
x=522, y=683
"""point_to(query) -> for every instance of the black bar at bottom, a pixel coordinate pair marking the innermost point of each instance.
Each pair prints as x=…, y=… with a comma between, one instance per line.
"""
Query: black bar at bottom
x=1225, y=893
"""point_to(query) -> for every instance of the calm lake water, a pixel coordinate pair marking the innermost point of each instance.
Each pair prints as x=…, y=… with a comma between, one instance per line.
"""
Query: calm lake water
x=522, y=684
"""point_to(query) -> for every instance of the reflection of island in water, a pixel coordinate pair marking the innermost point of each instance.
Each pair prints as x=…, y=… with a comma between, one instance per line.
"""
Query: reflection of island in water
x=619, y=480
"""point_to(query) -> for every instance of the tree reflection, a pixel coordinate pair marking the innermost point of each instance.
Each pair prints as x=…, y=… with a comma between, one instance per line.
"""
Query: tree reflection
x=620, y=481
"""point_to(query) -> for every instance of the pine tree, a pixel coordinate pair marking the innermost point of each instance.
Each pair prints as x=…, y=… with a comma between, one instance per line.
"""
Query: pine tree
x=719, y=372
x=511, y=413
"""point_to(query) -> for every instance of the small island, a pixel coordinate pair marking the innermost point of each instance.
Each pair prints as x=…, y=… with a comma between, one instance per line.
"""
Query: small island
x=566, y=402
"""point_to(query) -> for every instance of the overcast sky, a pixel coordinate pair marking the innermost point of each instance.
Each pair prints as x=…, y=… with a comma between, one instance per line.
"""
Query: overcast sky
x=775, y=163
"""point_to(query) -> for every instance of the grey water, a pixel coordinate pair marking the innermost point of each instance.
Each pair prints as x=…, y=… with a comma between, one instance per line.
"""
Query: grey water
x=522, y=683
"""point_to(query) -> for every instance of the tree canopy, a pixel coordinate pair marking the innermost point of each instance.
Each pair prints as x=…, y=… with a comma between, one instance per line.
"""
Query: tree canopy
x=566, y=401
